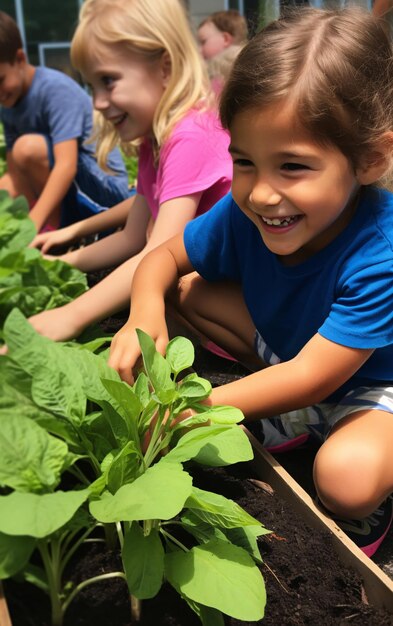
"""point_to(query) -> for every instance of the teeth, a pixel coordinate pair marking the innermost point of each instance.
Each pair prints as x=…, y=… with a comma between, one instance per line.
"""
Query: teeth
x=285, y=221
x=119, y=119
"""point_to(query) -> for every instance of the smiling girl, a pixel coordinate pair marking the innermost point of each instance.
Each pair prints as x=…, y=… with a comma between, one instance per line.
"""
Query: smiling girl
x=295, y=267
x=150, y=88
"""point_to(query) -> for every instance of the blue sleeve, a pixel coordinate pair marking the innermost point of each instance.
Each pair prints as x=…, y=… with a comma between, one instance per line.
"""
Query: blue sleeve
x=362, y=315
x=210, y=244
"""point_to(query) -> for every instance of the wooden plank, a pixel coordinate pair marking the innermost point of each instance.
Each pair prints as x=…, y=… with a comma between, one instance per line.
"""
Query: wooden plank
x=378, y=586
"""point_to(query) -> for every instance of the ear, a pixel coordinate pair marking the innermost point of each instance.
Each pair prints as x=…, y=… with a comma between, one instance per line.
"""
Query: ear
x=378, y=161
x=166, y=68
x=20, y=56
x=228, y=39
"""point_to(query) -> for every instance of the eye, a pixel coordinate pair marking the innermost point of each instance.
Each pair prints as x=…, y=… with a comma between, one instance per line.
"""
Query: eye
x=243, y=162
x=294, y=167
x=107, y=81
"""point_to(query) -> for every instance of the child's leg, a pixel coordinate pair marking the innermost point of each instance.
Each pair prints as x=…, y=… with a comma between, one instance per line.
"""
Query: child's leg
x=217, y=311
x=353, y=471
x=29, y=166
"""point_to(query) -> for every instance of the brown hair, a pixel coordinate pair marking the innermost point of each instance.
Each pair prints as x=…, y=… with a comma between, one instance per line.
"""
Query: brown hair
x=10, y=38
x=335, y=68
x=229, y=22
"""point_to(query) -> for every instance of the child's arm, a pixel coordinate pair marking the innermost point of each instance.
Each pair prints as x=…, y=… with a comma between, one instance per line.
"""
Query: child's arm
x=58, y=183
x=113, y=293
x=157, y=274
x=317, y=371
x=320, y=368
x=110, y=219
x=117, y=247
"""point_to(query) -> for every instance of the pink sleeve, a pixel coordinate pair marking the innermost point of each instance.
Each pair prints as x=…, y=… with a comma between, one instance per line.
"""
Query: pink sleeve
x=191, y=162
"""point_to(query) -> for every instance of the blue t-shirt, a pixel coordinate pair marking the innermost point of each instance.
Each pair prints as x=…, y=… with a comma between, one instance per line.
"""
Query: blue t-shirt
x=344, y=292
x=57, y=107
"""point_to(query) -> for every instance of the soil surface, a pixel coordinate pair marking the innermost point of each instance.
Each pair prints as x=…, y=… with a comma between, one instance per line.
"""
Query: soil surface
x=306, y=584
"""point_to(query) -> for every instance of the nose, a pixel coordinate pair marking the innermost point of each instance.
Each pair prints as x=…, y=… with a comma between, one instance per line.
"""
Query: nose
x=264, y=194
x=100, y=100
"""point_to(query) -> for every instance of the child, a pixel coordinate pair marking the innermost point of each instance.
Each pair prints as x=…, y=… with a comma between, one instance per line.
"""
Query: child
x=221, y=30
x=221, y=36
x=47, y=118
x=150, y=85
x=295, y=269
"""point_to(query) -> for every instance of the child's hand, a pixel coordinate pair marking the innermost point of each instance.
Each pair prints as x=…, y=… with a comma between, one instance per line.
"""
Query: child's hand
x=57, y=324
x=125, y=350
x=185, y=415
x=46, y=241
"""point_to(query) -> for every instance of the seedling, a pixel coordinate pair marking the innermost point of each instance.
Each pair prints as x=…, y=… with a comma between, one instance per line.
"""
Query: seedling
x=130, y=457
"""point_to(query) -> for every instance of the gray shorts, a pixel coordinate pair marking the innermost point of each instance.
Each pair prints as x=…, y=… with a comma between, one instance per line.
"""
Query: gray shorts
x=289, y=430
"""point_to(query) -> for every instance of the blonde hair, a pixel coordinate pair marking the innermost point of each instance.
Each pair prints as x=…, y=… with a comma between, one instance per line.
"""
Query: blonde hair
x=147, y=28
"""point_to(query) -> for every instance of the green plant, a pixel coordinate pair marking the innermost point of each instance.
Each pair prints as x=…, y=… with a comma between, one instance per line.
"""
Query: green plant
x=27, y=280
x=145, y=492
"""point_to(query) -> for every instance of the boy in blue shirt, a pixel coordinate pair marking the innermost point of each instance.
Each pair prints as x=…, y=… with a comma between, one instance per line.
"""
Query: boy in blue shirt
x=47, y=118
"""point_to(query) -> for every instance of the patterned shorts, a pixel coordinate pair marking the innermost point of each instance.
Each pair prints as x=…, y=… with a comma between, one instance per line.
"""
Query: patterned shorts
x=289, y=430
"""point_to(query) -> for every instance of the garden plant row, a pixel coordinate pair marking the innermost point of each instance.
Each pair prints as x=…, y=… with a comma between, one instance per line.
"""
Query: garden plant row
x=86, y=457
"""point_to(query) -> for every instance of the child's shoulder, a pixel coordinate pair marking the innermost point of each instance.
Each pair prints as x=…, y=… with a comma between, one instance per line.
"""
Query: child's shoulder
x=199, y=121
x=50, y=80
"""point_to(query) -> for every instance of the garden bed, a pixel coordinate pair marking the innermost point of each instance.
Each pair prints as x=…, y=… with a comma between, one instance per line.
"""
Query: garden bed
x=305, y=558
x=305, y=579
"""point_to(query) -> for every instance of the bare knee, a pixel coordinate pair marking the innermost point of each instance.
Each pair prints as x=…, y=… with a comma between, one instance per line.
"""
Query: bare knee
x=29, y=150
x=347, y=478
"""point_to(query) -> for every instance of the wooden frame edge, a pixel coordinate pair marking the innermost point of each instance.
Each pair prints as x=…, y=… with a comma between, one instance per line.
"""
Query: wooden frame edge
x=377, y=585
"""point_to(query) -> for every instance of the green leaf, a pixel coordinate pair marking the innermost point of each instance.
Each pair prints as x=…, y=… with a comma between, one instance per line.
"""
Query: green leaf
x=159, y=493
x=30, y=458
x=141, y=389
x=221, y=576
x=246, y=538
x=143, y=560
x=38, y=515
x=218, y=510
x=202, y=531
x=124, y=467
x=14, y=554
x=194, y=388
x=126, y=402
x=180, y=354
x=207, y=615
x=214, y=445
x=157, y=368
x=224, y=415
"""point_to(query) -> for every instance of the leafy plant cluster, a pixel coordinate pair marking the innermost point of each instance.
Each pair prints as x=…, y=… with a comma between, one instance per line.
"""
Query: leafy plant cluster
x=27, y=280
x=83, y=454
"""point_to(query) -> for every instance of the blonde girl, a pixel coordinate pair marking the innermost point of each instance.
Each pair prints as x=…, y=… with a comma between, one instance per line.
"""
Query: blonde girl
x=150, y=86
x=295, y=267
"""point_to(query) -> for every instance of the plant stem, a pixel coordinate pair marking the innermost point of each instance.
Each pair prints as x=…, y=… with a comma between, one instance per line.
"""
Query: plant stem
x=173, y=539
x=111, y=535
x=51, y=564
x=86, y=583
x=136, y=608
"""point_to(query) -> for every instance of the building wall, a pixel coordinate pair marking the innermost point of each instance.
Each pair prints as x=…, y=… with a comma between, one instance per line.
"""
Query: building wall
x=199, y=9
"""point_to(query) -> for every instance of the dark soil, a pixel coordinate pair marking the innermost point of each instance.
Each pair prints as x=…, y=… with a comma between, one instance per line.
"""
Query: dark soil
x=306, y=584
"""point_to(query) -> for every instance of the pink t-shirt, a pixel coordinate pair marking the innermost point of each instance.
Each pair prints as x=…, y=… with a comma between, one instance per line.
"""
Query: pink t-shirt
x=194, y=159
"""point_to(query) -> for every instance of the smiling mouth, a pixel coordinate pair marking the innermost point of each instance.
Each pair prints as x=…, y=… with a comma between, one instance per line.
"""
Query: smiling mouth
x=119, y=120
x=281, y=221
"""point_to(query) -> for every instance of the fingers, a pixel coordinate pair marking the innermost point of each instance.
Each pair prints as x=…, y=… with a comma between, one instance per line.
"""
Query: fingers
x=37, y=241
x=47, y=245
x=124, y=353
x=3, y=350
